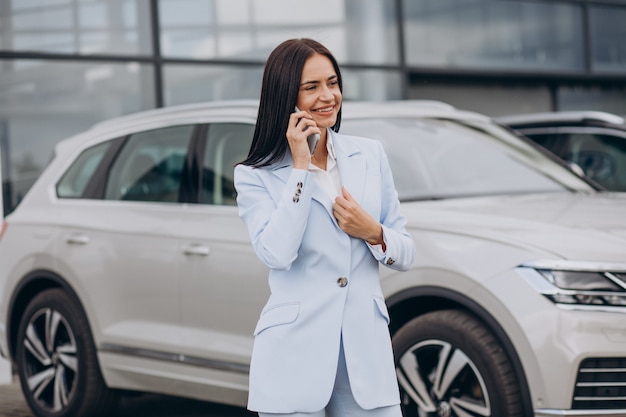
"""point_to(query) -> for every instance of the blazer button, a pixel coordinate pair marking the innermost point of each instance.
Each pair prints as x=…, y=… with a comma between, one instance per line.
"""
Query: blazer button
x=342, y=282
x=390, y=261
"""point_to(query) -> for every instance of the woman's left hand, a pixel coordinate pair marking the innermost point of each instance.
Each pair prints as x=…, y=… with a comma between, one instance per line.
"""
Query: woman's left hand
x=355, y=221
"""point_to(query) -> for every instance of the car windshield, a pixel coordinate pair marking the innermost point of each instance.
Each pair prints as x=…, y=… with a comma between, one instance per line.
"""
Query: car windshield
x=437, y=159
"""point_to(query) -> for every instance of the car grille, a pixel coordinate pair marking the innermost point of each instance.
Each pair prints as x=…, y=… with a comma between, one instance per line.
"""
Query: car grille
x=601, y=384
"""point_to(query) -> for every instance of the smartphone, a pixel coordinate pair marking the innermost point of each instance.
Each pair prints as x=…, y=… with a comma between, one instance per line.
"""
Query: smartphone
x=311, y=139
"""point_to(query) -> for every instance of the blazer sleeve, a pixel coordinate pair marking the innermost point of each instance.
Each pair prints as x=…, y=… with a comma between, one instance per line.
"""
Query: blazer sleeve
x=276, y=227
x=400, y=251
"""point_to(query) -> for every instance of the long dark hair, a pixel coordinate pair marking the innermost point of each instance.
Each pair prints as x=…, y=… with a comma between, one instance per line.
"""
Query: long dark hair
x=279, y=95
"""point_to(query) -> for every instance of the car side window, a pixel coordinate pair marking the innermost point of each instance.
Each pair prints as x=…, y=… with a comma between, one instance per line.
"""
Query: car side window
x=600, y=156
x=76, y=178
x=149, y=166
x=226, y=145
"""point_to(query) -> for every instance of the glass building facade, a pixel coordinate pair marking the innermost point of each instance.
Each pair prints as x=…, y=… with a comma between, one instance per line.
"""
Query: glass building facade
x=67, y=64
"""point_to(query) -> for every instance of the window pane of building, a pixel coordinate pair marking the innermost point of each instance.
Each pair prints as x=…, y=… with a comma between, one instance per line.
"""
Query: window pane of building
x=356, y=31
x=611, y=99
x=491, y=34
x=608, y=38
x=370, y=84
x=192, y=83
x=42, y=102
x=76, y=26
x=489, y=98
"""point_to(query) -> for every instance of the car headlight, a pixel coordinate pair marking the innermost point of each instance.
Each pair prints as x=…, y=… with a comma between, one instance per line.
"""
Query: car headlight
x=580, y=283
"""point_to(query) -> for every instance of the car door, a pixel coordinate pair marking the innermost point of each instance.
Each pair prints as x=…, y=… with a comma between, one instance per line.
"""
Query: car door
x=223, y=284
x=121, y=242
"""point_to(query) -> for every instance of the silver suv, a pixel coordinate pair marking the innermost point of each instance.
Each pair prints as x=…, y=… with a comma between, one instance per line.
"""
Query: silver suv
x=595, y=141
x=126, y=267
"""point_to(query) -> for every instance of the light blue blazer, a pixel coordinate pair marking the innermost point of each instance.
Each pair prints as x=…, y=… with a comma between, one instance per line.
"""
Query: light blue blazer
x=324, y=285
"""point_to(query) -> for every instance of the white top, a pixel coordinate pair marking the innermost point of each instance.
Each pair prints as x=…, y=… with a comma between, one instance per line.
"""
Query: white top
x=329, y=179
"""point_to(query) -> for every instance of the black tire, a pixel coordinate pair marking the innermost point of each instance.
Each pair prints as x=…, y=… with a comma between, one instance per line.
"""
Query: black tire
x=450, y=364
x=56, y=360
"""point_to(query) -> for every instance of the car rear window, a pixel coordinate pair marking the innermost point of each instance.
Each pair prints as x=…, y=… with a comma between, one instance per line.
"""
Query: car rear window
x=76, y=178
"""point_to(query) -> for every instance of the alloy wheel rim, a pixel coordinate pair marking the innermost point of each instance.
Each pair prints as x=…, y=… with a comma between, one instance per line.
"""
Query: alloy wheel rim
x=441, y=381
x=50, y=364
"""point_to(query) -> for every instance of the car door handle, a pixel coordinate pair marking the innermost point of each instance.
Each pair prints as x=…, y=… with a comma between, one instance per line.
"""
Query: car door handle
x=77, y=239
x=196, y=250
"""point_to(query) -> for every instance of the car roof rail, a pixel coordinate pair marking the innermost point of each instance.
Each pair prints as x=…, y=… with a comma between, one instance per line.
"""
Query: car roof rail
x=430, y=104
x=169, y=110
x=562, y=116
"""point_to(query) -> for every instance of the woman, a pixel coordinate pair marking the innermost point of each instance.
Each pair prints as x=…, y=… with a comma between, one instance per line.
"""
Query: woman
x=321, y=222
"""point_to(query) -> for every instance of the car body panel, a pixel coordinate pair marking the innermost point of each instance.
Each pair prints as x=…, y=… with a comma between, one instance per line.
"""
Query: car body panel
x=218, y=320
x=553, y=222
x=132, y=301
x=177, y=316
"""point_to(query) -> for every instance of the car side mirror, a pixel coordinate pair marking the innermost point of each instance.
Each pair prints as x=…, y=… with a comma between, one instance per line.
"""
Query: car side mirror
x=576, y=169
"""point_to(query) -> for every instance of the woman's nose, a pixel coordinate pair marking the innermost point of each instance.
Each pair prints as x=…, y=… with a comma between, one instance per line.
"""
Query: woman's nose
x=326, y=94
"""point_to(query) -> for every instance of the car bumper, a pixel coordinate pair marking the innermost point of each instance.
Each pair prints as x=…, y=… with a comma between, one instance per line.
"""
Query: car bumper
x=579, y=356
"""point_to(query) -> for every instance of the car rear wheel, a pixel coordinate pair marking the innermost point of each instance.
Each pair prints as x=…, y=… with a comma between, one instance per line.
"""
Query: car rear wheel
x=57, y=362
x=450, y=365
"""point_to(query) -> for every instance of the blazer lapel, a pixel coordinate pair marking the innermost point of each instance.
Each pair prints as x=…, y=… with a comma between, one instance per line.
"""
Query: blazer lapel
x=352, y=170
x=283, y=169
x=352, y=166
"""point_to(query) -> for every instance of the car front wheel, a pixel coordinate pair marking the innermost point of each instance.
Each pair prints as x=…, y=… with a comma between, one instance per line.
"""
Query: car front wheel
x=449, y=364
x=57, y=362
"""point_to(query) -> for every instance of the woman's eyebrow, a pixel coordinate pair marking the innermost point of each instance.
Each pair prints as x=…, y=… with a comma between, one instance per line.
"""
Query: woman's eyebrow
x=332, y=77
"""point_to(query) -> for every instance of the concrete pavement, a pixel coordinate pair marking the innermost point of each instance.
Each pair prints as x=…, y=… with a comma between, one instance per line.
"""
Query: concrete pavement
x=12, y=402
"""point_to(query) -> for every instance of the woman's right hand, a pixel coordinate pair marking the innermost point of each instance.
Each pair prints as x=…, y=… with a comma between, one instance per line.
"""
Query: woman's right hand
x=301, y=125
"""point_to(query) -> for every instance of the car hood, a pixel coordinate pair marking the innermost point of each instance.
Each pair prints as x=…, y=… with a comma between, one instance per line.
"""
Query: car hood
x=572, y=226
